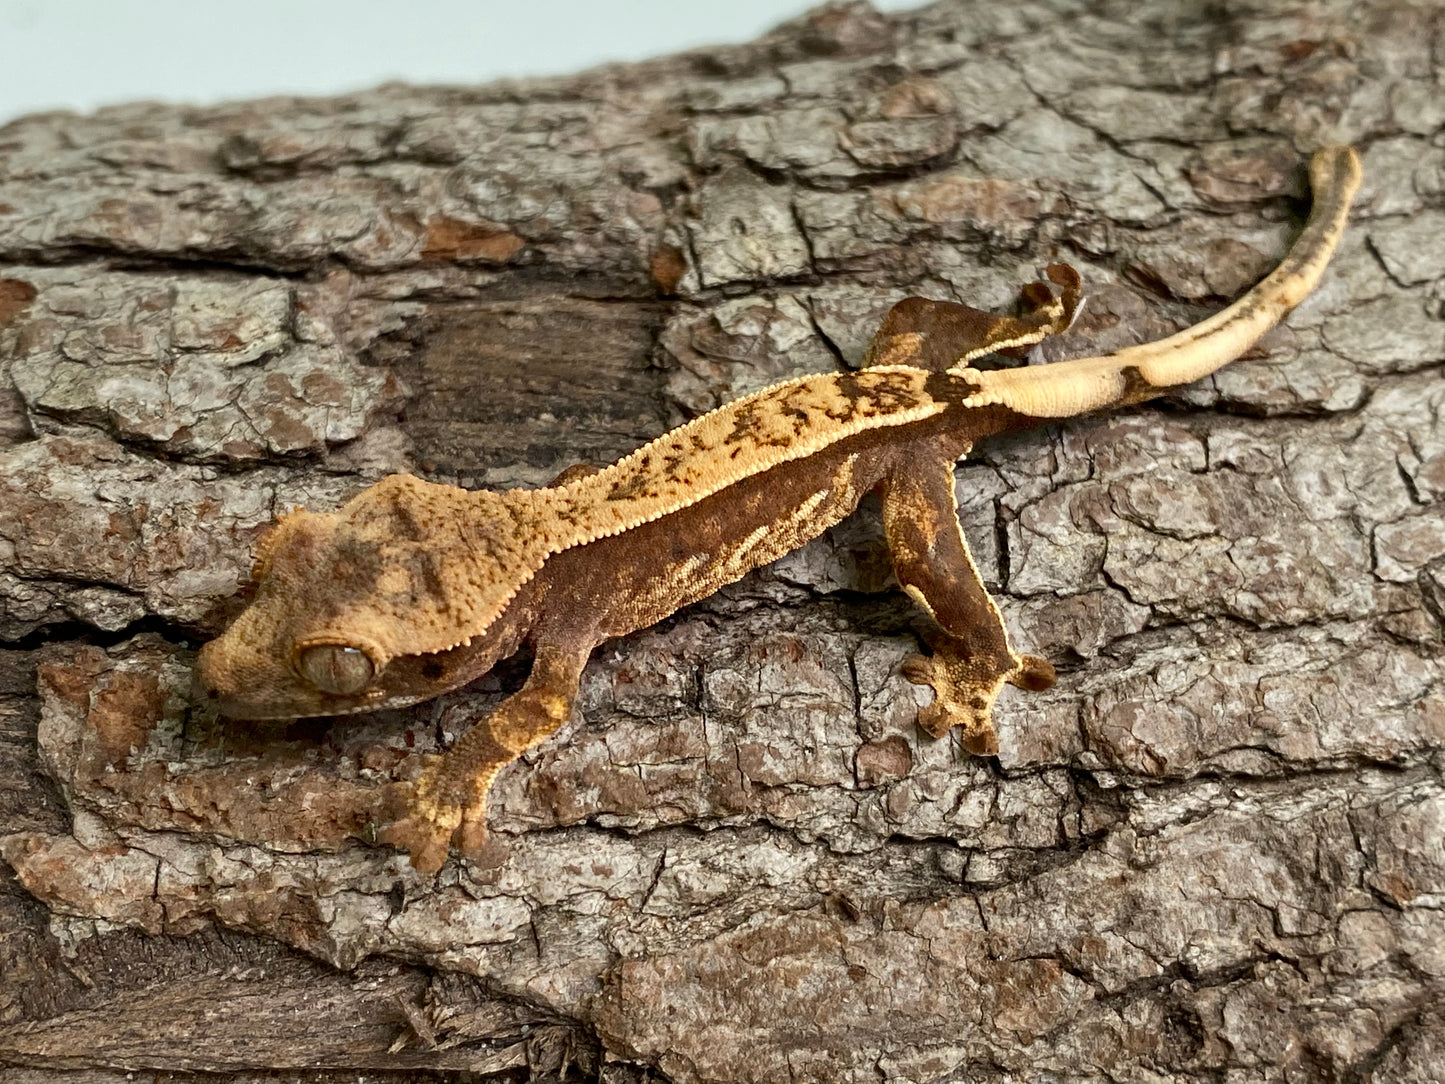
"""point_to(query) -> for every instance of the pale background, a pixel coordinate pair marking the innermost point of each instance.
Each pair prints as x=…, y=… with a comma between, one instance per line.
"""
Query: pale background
x=81, y=54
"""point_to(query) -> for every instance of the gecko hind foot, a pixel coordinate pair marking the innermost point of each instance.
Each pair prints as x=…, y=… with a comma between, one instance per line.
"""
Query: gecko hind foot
x=964, y=690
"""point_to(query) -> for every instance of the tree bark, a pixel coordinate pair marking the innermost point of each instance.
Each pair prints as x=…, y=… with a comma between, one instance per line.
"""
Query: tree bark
x=1211, y=852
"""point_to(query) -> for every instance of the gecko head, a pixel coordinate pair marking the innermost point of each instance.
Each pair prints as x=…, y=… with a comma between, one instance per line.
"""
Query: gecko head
x=379, y=604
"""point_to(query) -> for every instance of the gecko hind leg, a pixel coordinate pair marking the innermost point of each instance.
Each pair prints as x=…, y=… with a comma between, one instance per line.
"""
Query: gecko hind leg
x=972, y=658
x=448, y=802
x=942, y=335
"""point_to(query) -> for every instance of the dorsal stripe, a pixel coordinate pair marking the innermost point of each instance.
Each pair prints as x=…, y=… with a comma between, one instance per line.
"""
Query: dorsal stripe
x=784, y=422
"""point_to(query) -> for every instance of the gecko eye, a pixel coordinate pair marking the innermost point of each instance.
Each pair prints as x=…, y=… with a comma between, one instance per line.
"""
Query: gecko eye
x=336, y=668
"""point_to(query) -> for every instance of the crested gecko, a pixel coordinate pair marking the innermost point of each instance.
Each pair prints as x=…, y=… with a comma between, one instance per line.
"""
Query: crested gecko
x=413, y=588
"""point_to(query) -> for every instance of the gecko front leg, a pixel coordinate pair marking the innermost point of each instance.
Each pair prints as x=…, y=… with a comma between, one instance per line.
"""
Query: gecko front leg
x=972, y=657
x=448, y=801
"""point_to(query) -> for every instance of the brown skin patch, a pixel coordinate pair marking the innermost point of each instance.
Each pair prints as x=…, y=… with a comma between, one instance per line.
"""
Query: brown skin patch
x=424, y=587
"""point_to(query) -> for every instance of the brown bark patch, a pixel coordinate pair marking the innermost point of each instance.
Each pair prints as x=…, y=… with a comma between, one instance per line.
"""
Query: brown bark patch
x=884, y=761
x=15, y=295
x=668, y=265
x=449, y=239
x=982, y=203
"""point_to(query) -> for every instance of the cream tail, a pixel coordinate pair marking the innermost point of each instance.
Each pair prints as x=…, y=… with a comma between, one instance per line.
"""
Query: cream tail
x=1066, y=388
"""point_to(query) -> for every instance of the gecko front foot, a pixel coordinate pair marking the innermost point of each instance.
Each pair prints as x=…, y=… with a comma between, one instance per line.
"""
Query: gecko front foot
x=425, y=816
x=964, y=690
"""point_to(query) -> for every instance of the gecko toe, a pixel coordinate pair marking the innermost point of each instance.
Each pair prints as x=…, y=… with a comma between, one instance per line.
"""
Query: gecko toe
x=1033, y=673
x=917, y=669
x=981, y=740
x=964, y=690
x=934, y=720
x=413, y=821
x=973, y=722
x=424, y=841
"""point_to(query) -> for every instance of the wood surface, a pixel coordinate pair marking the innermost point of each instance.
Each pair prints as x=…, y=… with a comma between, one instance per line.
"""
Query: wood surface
x=1212, y=853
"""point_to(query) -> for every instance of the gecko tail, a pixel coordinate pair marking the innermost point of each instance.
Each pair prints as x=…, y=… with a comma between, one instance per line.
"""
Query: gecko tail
x=1065, y=388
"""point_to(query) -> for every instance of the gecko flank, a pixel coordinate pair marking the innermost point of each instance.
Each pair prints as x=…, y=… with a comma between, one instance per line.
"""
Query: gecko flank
x=411, y=588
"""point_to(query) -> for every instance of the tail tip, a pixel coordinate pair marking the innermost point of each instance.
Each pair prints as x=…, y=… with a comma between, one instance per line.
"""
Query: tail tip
x=1336, y=168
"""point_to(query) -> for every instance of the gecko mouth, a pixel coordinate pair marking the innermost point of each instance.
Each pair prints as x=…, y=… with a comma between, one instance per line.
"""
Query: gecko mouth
x=232, y=709
x=251, y=708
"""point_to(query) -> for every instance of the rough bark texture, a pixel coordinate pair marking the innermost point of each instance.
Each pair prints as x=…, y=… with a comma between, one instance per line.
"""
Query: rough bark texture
x=1212, y=853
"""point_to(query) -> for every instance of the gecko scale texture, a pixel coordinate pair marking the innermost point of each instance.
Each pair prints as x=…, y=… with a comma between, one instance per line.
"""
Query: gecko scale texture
x=412, y=588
